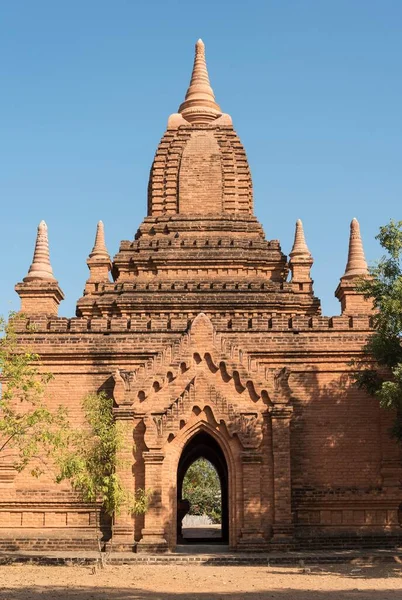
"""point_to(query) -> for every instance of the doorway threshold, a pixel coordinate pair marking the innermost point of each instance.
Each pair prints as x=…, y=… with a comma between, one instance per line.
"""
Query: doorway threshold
x=202, y=549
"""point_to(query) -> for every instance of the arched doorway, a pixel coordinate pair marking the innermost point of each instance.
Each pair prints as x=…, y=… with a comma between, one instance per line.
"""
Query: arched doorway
x=203, y=445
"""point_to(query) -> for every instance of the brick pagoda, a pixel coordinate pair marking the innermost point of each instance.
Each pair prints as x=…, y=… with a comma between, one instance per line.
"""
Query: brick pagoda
x=212, y=343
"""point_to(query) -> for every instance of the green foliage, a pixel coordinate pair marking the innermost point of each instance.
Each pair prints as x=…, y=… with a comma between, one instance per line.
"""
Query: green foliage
x=89, y=459
x=384, y=288
x=28, y=429
x=201, y=486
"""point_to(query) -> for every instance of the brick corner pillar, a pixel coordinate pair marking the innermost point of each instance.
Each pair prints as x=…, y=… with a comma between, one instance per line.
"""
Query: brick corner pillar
x=252, y=537
x=391, y=474
x=391, y=459
x=283, y=527
x=123, y=524
x=153, y=535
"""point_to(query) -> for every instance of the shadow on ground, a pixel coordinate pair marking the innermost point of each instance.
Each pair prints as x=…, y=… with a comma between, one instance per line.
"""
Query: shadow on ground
x=351, y=571
x=94, y=593
x=381, y=581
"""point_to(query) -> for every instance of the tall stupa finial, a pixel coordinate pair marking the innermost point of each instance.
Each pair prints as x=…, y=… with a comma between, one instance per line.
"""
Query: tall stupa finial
x=199, y=105
x=99, y=251
x=41, y=267
x=299, y=245
x=357, y=264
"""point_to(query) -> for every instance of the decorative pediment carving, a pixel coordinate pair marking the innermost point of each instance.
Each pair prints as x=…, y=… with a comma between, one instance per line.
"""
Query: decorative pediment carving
x=247, y=425
x=123, y=383
x=238, y=390
x=119, y=387
x=202, y=396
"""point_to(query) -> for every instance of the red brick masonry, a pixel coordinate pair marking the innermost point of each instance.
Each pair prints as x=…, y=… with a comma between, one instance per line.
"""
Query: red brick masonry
x=201, y=332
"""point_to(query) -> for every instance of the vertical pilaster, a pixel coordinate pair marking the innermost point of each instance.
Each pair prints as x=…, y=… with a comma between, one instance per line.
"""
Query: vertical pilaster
x=123, y=524
x=391, y=460
x=251, y=532
x=283, y=526
x=153, y=535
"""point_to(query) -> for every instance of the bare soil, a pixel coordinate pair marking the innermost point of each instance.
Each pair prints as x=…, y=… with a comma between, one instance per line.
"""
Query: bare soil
x=177, y=582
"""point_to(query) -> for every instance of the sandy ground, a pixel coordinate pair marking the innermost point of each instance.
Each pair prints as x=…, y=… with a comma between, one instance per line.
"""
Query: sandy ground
x=176, y=582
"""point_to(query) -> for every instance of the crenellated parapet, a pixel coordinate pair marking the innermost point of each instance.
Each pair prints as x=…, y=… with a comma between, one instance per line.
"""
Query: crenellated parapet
x=216, y=248
x=179, y=323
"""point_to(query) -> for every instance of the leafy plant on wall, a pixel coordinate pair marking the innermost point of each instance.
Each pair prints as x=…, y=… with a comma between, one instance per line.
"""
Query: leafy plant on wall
x=88, y=458
x=29, y=429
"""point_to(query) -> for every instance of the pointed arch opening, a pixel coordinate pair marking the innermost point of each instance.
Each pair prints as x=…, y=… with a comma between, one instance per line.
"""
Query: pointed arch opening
x=203, y=446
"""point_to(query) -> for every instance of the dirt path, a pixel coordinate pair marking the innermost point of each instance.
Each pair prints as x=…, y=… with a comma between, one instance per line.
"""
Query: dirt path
x=345, y=582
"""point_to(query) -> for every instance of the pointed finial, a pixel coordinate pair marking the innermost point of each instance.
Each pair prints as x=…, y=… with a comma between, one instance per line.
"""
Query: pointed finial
x=357, y=264
x=299, y=245
x=300, y=262
x=99, y=251
x=98, y=262
x=41, y=267
x=199, y=105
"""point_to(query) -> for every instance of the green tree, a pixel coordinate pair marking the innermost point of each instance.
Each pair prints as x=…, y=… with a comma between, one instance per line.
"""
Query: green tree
x=88, y=458
x=384, y=288
x=28, y=428
x=201, y=486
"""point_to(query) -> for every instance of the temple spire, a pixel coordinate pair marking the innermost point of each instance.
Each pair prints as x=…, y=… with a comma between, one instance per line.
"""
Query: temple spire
x=356, y=265
x=41, y=267
x=299, y=245
x=199, y=105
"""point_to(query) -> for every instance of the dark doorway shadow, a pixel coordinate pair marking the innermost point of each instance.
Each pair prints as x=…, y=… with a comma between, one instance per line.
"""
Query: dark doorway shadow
x=202, y=445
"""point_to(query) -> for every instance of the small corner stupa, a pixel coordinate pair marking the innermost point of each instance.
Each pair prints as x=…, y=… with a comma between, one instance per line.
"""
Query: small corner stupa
x=300, y=261
x=39, y=291
x=353, y=301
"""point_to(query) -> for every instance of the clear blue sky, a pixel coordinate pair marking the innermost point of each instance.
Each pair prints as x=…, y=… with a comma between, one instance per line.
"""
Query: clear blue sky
x=314, y=88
